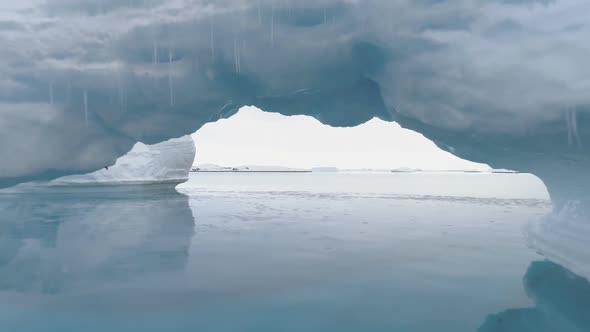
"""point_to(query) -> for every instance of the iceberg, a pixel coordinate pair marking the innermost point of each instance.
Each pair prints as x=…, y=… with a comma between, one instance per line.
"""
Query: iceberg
x=163, y=163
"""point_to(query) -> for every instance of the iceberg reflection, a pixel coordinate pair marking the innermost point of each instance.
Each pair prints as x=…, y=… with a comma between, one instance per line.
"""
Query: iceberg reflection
x=59, y=240
x=561, y=302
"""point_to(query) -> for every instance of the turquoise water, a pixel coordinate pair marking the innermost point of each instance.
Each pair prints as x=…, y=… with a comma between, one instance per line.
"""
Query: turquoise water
x=284, y=252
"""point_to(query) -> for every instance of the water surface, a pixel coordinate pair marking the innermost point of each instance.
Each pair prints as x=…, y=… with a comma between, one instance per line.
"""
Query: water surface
x=283, y=252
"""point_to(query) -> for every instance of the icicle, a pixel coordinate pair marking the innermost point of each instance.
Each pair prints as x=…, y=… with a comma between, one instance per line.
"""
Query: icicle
x=574, y=121
x=86, y=107
x=568, y=124
x=237, y=55
x=51, y=93
x=120, y=91
x=288, y=4
x=121, y=99
x=155, y=55
x=272, y=25
x=211, y=39
x=69, y=92
x=239, y=61
x=259, y=12
x=170, y=85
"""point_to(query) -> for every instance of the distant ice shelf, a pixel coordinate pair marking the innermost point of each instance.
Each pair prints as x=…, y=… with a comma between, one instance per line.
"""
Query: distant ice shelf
x=212, y=168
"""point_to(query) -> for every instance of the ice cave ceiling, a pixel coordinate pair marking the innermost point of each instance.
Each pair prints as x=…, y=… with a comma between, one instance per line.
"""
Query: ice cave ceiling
x=505, y=82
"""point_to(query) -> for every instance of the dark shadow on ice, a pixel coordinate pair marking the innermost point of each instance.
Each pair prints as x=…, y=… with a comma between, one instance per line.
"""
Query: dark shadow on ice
x=562, y=302
x=59, y=240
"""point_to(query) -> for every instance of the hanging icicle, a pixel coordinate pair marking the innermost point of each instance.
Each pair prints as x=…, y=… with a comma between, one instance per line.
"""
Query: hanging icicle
x=259, y=13
x=235, y=56
x=576, y=134
x=121, y=92
x=272, y=25
x=155, y=52
x=85, y=97
x=211, y=39
x=170, y=83
x=568, y=125
x=51, y=93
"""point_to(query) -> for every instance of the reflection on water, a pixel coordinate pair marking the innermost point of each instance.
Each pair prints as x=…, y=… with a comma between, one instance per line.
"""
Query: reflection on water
x=562, y=303
x=149, y=259
x=59, y=240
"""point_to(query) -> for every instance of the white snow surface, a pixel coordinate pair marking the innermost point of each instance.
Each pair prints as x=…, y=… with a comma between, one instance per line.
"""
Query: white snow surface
x=166, y=162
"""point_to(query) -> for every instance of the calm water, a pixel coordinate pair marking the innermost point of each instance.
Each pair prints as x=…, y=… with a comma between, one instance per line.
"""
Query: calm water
x=284, y=252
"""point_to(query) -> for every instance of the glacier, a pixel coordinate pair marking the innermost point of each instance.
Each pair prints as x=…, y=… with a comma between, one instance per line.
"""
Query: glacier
x=499, y=82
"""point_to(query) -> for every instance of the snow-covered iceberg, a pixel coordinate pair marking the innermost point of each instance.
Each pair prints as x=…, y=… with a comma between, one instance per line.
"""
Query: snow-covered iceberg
x=166, y=162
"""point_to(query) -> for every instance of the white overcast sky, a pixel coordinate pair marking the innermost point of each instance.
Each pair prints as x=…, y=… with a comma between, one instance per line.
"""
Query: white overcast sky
x=254, y=137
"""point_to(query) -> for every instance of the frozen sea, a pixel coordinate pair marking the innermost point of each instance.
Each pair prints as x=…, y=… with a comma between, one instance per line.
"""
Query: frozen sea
x=284, y=252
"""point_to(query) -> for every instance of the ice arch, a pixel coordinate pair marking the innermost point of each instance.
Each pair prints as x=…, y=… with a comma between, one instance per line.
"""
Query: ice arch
x=499, y=82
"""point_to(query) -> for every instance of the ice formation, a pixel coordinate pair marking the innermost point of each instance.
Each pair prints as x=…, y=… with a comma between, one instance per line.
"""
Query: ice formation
x=166, y=162
x=561, y=301
x=490, y=81
x=562, y=236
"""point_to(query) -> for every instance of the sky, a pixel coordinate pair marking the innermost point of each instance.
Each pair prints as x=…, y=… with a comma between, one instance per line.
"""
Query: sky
x=254, y=137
